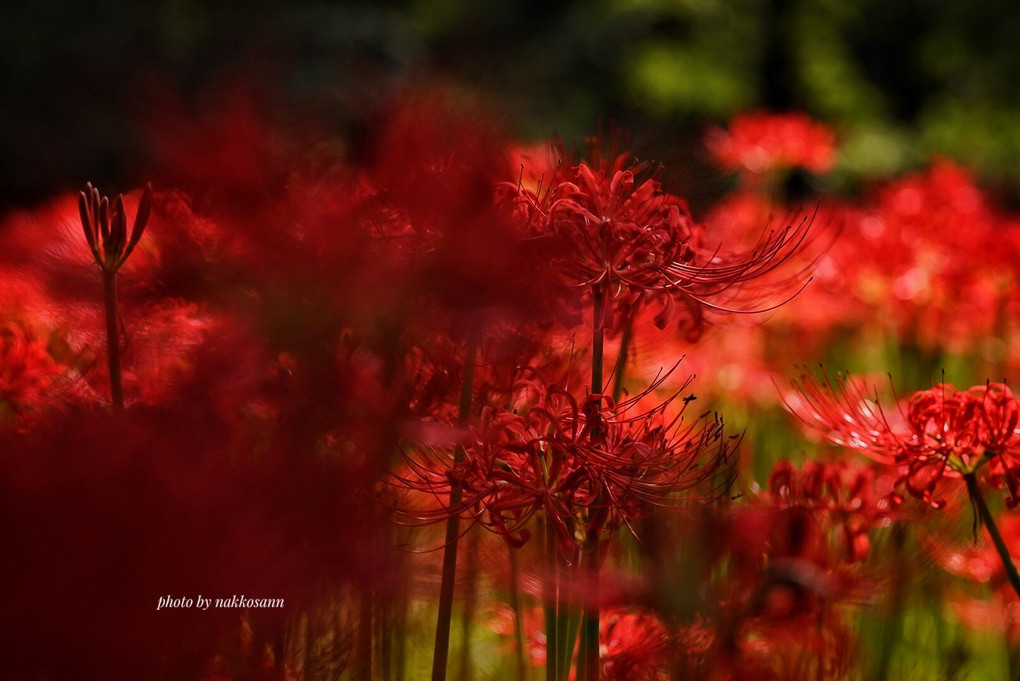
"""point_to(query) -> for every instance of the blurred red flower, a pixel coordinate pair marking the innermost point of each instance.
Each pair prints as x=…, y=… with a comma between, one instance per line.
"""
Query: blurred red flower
x=27, y=371
x=762, y=142
x=848, y=500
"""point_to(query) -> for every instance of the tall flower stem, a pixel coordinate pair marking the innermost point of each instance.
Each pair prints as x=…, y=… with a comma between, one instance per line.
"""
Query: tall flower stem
x=470, y=606
x=561, y=613
x=591, y=553
x=1000, y=544
x=112, y=343
x=515, y=604
x=550, y=596
x=441, y=651
x=621, y=363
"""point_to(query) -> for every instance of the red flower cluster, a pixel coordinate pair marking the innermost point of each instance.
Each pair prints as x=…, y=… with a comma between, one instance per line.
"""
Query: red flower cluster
x=933, y=254
x=590, y=464
x=611, y=225
x=27, y=371
x=637, y=647
x=762, y=142
x=940, y=433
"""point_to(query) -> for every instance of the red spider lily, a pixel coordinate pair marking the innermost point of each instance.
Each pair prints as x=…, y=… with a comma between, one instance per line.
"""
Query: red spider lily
x=589, y=464
x=636, y=646
x=780, y=565
x=846, y=499
x=762, y=142
x=625, y=231
x=610, y=225
x=940, y=433
x=928, y=253
x=778, y=590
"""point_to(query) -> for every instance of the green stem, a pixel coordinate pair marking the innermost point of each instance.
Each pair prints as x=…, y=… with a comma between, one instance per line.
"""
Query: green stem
x=597, y=338
x=112, y=343
x=588, y=653
x=1000, y=544
x=889, y=629
x=550, y=597
x=470, y=606
x=621, y=363
x=441, y=651
x=515, y=604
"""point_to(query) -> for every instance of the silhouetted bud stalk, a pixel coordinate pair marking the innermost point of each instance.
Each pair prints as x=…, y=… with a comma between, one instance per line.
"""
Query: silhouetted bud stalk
x=442, y=645
x=986, y=517
x=105, y=229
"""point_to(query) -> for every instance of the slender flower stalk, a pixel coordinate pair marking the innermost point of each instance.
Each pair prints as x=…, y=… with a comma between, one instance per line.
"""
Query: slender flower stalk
x=515, y=604
x=105, y=227
x=591, y=553
x=989, y=522
x=442, y=643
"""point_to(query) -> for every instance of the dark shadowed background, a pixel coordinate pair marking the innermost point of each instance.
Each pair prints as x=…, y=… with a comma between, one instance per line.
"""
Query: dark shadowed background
x=87, y=87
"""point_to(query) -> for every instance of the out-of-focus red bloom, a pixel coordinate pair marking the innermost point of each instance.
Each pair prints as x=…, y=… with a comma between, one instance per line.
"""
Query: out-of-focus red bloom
x=780, y=564
x=847, y=499
x=431, y=201
x=939, y=433
x=634, y=646
x=776, y=591
x=981, y=564
x=762, y=142
x=227, y=147
x=928, y=255
x=589, y=464
x=27, y=371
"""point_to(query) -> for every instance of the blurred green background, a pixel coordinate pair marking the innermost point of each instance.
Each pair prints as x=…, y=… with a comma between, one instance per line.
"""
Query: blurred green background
x=899, y=80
